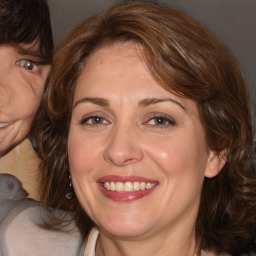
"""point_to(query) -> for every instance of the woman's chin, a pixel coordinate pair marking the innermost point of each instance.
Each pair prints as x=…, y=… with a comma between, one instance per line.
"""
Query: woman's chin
x=125, y=229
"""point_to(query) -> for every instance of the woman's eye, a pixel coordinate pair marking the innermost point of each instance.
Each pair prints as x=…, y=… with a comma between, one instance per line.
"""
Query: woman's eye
x=160, y=121
x=27, y=64
x=94, y=120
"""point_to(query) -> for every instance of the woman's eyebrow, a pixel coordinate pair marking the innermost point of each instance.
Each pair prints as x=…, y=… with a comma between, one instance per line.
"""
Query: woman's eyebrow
x=150, y=101
x=142, y=103
x=95, y=100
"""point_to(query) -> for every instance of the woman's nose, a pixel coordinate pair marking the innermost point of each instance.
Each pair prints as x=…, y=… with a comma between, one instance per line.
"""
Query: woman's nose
x=123, y=147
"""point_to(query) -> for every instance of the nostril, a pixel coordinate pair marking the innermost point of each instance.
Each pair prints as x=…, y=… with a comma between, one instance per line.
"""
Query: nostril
x=121, y=161
x=130, y=160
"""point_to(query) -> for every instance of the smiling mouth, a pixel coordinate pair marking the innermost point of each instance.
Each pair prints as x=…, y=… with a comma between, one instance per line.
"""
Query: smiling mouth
x=124, y=187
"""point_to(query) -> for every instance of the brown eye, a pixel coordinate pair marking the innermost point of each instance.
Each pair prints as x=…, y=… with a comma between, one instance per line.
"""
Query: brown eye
x=94, y=120
x=97, y=120
x=161, y=121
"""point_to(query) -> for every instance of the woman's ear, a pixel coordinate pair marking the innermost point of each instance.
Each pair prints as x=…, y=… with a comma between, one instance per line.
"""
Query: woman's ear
x=215, y=163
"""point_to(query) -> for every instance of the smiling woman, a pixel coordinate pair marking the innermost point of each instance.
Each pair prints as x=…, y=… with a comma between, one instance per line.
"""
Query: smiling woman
x=149, y=144
x=141, y=115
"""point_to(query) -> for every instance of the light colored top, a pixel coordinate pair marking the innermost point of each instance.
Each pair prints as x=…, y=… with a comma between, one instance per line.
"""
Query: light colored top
x=23, y=162
x=90, y=247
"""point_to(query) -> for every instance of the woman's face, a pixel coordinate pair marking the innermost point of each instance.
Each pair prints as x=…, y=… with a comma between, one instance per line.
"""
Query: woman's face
x=137, y=152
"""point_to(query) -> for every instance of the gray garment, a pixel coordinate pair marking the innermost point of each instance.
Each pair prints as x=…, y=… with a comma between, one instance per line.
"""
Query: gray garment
x=21, y=226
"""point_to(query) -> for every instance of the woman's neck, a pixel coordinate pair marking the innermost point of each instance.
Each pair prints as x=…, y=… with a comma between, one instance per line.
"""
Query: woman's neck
x=166, y=245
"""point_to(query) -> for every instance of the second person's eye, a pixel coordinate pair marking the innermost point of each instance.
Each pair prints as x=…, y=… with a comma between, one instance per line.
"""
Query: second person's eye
x=27, y=64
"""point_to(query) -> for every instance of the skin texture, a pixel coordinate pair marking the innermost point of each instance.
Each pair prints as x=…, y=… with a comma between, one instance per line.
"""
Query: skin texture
x=126, y=133
x=23, y=74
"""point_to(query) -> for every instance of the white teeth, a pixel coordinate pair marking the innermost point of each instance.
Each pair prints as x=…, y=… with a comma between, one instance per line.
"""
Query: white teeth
x=107, y=185
x=127, y=186
x=112, y=186
x=2, y=125
x=119, y=186
x=148, y=185
x=136, y=186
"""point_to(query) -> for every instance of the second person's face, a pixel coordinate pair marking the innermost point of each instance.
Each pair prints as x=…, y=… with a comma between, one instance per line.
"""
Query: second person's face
x=137, y=152
x=22, y=76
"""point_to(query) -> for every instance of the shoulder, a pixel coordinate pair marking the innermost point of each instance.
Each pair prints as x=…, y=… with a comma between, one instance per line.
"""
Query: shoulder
x=23, y=232
x=11, y=192
x=23, y=162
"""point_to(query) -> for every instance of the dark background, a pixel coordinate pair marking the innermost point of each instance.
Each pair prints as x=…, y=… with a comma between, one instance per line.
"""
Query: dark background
x=234, y=22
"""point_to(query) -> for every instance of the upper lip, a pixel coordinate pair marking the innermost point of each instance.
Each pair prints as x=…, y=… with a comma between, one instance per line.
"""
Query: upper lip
x=121, y=178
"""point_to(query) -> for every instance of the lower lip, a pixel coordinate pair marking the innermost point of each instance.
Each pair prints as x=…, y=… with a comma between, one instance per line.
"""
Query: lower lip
x=125, y=196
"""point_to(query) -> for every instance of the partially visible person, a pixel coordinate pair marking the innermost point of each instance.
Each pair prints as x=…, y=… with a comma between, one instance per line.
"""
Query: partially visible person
x=26, y=47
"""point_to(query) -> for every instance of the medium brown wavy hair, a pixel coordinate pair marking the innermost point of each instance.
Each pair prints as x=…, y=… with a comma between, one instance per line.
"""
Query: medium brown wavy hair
x=185, y=58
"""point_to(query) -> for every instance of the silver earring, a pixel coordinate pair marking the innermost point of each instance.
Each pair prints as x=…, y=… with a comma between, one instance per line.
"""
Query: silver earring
x=69, y=195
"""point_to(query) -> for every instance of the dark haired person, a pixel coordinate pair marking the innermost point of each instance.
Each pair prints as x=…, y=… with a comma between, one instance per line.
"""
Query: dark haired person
x=26, y=47
x=144, y=138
